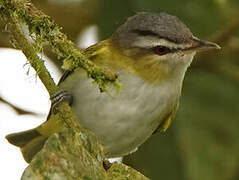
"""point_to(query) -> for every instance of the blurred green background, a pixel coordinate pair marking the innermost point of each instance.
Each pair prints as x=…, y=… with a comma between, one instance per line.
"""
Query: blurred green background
x=203, y=140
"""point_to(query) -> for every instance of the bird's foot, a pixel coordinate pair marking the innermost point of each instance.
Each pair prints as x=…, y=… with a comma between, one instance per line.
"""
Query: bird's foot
x=59, y=97
x=106, y=164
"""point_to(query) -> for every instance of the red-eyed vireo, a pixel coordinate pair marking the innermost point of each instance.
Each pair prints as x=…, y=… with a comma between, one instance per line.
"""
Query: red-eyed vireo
x=150, y=53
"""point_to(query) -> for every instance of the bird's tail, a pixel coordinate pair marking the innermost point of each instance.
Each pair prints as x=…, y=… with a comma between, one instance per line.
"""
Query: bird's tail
x=30, y=142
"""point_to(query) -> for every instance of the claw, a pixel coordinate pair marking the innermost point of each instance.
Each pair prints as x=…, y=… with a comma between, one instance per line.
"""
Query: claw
x=59, y=97
x=106, y=165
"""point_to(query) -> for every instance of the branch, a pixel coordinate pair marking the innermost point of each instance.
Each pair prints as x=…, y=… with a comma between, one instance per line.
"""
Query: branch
x=10, y=18
x=71, y=155
x=47, y=32
x=72, y=152
x=213, y=61
x=18, y=110
x=27, y=48
x=227, y=33
x=220, y=37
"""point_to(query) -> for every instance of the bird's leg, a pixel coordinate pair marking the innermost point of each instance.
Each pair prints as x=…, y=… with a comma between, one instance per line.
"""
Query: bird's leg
x=106, y=164
x=59, y=97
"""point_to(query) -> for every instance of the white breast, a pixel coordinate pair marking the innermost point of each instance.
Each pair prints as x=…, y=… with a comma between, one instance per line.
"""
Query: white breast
x=124, y=120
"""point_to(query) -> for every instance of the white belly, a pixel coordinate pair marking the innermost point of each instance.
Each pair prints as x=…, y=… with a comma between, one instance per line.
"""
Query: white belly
x=124, y=120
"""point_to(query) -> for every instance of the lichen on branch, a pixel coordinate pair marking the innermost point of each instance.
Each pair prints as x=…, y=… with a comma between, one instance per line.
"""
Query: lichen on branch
x=71, y=152
x=45, y=31
x=20, y=40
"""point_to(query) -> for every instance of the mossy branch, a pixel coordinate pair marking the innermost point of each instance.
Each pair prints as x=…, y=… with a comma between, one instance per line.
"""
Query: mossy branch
x=46, y=32
x=70, y=153
x=27, y=48
x=11, y=20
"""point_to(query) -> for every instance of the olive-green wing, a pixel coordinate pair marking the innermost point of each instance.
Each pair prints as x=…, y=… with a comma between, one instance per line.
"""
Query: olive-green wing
x=167, y=120
x=65, y=75
x=90, y=53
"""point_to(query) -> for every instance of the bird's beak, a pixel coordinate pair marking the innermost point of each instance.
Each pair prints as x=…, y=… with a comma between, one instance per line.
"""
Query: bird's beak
x=200, y=45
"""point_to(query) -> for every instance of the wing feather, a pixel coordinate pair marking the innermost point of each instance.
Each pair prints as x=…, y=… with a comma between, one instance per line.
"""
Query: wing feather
x=167, y=121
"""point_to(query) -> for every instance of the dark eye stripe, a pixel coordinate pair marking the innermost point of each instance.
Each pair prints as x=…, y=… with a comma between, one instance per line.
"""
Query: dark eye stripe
x=168, y=50
x=144, y=32
x=151, y=33
x=175, y=49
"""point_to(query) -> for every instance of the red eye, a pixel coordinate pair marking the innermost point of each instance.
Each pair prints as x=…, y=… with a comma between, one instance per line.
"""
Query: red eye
x=161, y=50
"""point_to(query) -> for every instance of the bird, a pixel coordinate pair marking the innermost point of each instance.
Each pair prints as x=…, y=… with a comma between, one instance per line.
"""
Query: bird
x=150, y=53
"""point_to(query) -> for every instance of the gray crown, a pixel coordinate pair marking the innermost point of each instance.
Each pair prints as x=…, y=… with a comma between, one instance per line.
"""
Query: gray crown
x=161, y=25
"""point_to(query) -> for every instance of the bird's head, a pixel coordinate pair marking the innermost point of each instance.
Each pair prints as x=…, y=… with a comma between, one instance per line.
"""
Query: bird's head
x=158, y=40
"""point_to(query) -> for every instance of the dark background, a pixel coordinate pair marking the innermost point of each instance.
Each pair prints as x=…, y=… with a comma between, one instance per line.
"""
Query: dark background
x=202, y=142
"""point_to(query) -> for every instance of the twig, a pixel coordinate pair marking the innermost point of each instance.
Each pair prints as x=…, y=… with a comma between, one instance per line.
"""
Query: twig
x=226, y=34
x=10, y=18
x=47, y=32
x=18, y=110
x=28, y=50
x=70, y=153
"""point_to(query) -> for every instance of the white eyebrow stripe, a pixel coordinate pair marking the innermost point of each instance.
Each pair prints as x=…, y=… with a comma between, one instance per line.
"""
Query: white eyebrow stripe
x=149, y=42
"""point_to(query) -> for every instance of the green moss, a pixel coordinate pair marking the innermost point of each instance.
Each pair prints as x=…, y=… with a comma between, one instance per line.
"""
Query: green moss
x=43, y=30
x=58, y=156
x=38, y=163
x=87, y=178
x=56, y=147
